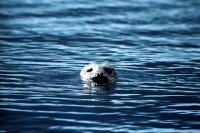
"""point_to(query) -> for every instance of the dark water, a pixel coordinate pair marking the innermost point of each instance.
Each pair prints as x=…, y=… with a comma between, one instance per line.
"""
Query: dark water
x=153, y=44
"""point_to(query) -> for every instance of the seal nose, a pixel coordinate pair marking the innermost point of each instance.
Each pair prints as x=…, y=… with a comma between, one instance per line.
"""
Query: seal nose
x=100, y=78
x=100, y=74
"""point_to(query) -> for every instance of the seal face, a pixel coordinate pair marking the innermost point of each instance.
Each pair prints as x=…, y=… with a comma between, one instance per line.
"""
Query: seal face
x=99, y=74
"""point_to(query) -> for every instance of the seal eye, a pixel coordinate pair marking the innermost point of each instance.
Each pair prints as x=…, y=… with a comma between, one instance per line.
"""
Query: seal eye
x=108, y=70
x=89, y=70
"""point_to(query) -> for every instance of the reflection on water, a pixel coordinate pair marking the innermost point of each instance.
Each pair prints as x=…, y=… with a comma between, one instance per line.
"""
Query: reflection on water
x=154, y=46
x=98, y=89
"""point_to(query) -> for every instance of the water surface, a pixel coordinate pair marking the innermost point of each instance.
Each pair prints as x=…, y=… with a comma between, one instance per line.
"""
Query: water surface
x=154, y=46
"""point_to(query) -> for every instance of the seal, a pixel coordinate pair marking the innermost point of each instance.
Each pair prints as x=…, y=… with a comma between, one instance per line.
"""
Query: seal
x=99, y=74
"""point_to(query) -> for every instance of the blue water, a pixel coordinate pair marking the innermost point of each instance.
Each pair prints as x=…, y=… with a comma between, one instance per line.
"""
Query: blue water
x=153, y=44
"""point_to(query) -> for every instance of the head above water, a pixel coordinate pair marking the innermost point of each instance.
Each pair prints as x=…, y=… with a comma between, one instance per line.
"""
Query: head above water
x=99, y=74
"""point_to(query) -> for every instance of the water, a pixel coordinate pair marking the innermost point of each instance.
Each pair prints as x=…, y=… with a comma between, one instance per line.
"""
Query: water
x=153, y=44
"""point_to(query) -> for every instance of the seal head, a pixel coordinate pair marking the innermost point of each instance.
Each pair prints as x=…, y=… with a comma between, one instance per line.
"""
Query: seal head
x=99, y=74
